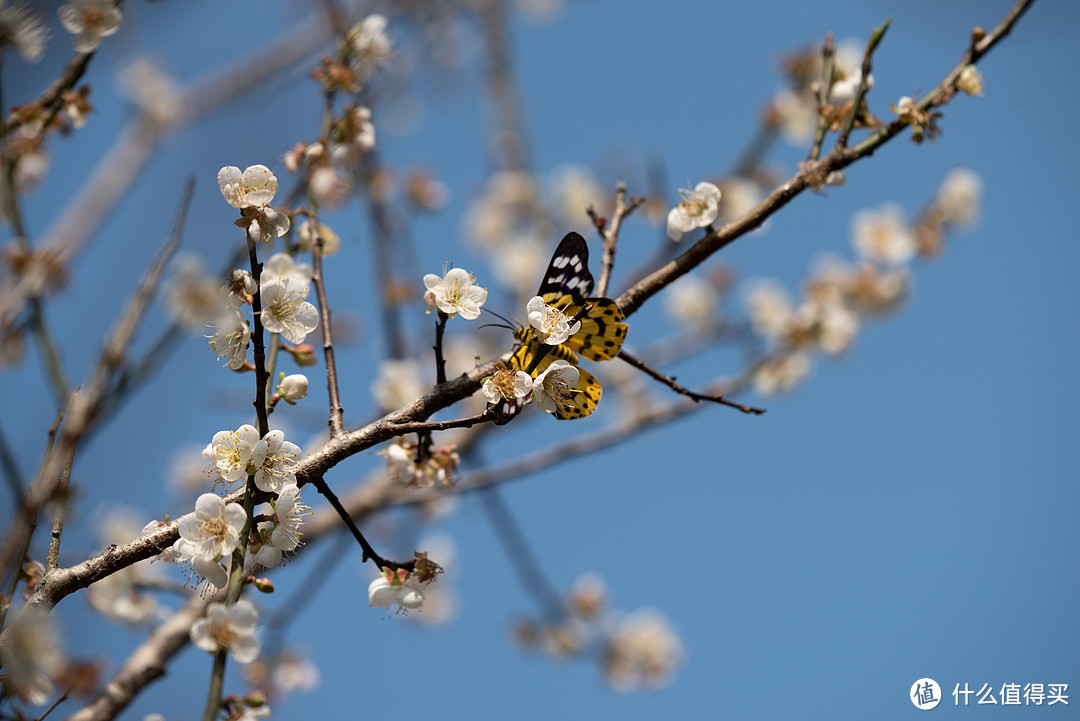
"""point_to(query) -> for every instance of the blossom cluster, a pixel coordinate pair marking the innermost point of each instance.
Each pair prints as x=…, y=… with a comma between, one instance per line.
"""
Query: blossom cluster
x=838, y=294
x=635, y=651
x=283, y=286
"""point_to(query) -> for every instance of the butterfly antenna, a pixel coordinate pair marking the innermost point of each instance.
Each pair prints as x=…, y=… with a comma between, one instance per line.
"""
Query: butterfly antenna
x=511, y=324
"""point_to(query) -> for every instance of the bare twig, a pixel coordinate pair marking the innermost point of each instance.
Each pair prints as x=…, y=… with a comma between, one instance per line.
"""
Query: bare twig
x=337, y=411
x=867, y=66
x=610, y=233
x=673, y=385
x=828, y=55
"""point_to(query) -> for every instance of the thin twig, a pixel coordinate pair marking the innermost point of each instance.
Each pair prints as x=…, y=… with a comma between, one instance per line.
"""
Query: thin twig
x=337, y=411
x=673, y=385
x=828, y=55
x=369, y=550
x=864, y=83
x=610, y=233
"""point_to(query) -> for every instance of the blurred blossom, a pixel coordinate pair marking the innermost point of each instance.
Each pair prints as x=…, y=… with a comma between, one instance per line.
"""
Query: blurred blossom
x=769, y=308
x=782, y=374
x=796, y=115
x=31, y=655
x=516, y=264
x=353, y=135
x=507, y=198
x=574, y=189
x=118, y=596
x=426, y=192
x=834, y=326
x=194, y=297
x=546, y=10
x=369, y=46
x=697, y=209
x=397, y=383
x=883, y=235
x=970, y=81
x=738, y=197
x=588, y=596
x=692, y=301
x=847, y=72
x=327, y=187
x=189, y=471
x=90, y=21
x=152, y=91
x=228, y=627
x=958, y=198
x=310, y=231
x=642, y=651
x=23, y=29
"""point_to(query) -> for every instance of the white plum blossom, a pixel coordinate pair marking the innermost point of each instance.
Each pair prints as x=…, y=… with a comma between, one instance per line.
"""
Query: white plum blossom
x=24, y=30
x=31, y=655
x=369, y=46
x=90, y=21
x=231, y=452
x=455, y=293
x=282, y=265
x=507, y=384
x=697, y=209
x=276, y=459
x=553, y=388
x=213, y=529
x=289, y=514
x=285, y=309
x=642, y=651
x=253, y=188
x=407, y=593
x=251, y=192
x=293, y=387
x=229, y=627
x=553, y=325
x=883, y=235
x=231, y=338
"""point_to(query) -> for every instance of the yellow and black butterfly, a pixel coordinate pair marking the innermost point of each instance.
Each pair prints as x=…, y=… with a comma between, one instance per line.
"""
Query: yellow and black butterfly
x=566, y=286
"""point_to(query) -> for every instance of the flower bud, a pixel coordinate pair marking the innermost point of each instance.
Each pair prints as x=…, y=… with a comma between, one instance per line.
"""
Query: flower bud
x=293, y=387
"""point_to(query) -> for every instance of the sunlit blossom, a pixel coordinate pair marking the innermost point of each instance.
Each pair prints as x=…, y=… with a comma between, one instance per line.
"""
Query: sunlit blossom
x=697, y=208
x=285, y=309
x=553, y=325
x=554, y=388
x=456, y=293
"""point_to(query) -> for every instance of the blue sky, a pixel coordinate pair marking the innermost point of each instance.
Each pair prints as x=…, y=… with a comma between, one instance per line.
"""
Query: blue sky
x=908, y=512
